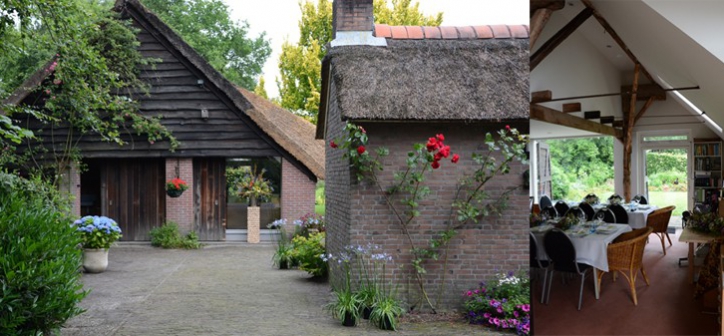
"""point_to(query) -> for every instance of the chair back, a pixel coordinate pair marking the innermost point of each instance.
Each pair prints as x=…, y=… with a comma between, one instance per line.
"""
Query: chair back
x=628, y=254
x=561, y=207
x=658, y=220
x=545, y=201
x=576, y=211
x=560, y=251
x=534, y=261
x=640, y=198
x=550, y=211
x=588, y=209
x=620, y=212
x=608, y=215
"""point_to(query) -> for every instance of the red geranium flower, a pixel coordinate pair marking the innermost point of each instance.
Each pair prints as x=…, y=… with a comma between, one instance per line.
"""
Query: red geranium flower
x=360, y=150
x=435, y=164
x=455, y=158
x=332, y=144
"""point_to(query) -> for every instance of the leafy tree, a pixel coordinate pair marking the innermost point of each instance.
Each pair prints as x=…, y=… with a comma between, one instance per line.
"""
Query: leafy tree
x=580, y=165
x=260, y=90
x=92, y=58
x=300, y=64
x=208, y=28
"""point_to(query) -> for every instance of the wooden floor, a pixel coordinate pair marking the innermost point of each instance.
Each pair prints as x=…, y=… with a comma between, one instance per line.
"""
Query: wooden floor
x=667, y=307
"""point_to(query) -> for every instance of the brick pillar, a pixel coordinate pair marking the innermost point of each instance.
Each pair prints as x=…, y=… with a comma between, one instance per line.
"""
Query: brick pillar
x=352, y=15
x=252, y=224
x=181, y=209
x=297, y=192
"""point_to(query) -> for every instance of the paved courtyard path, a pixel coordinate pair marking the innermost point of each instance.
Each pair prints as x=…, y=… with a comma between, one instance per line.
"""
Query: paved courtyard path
x=218, y=290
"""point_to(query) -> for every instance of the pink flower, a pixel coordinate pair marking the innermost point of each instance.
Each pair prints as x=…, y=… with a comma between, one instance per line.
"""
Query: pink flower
x=525, y=307
x=362, y=130
x=507, y=127
x=476, y=291
x=470, y=293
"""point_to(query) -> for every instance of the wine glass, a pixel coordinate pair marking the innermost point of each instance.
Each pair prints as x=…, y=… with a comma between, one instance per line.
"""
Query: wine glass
x=600, y=216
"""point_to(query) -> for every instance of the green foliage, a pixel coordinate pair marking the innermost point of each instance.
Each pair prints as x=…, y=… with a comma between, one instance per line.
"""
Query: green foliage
x=667, y=181
x=385, y=312
x=260, y=90
x=300, y=64
x=91, y=60
x=503, y=303
x=308, y=251
x=665, y=161
x=580, y=165
x=248, y=184
x=345, y=303
x=168, y=236
x=207, y=27
x=40, y=286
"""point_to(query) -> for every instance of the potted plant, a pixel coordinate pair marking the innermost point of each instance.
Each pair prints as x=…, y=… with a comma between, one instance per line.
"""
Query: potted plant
x=346, y=305
x=175, y=187
x=253, y=187
x=283, y=257
x=615, y=199
x=385, y=312
x=366, y=295
x=97, y=235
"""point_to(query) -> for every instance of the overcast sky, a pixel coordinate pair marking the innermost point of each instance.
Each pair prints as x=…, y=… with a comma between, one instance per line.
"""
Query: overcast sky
x=280, y=20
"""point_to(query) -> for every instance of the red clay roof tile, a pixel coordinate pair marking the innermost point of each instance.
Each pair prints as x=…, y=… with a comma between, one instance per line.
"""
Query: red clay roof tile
x=500, y=31
x=414, y=32
x=466, y=32
x=519, y=31
x=432, y=32
x=483, y=32
x=398, y=32
x=453, y=33
x=382, y=30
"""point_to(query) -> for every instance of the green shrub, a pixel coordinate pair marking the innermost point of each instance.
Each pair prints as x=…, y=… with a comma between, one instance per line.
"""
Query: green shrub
x=39, y=259
x=308, y=252
x=168, y=236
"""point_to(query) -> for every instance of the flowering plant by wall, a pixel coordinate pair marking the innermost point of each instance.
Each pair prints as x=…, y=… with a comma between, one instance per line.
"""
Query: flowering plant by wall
x=404, y=196
x=503, y=303
x=176, y=184
x=97, y=231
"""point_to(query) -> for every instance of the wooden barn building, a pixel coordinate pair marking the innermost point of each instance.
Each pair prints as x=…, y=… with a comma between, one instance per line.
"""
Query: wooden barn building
x=217, y=124
x=404, y=85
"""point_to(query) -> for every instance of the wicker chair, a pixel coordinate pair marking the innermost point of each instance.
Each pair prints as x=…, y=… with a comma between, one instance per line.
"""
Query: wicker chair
x=658, y=221
x=626, y=257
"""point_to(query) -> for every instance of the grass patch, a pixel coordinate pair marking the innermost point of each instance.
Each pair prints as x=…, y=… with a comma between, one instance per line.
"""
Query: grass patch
x=666, y=198
x=319, y=209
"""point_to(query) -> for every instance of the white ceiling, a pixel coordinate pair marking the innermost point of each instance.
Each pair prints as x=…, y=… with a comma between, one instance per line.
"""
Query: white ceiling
x=678, y=42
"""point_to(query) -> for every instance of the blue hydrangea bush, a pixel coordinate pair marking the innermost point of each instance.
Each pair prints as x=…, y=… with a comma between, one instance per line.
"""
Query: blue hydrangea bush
x=97, y=232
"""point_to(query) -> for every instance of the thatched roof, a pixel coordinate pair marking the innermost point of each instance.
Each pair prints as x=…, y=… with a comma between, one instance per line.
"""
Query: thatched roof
x=464, y=80
x=293, y=136
x=294, y=133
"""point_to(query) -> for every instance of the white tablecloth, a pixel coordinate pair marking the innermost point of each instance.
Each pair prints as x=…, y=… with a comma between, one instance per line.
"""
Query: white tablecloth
x=636, y=219
x=590, y=248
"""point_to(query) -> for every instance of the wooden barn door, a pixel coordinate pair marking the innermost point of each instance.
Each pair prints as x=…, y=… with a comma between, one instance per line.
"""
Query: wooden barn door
x=133, y=195
x=210, y=198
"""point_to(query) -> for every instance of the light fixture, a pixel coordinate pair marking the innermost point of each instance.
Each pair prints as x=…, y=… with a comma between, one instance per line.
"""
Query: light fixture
x=204, y=114
x=200, y=82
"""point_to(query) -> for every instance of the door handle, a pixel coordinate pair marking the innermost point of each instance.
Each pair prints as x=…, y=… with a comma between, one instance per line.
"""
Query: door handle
x=216, y=202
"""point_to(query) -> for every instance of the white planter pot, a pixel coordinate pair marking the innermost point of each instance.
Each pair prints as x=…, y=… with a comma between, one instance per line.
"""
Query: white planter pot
x=95, y=260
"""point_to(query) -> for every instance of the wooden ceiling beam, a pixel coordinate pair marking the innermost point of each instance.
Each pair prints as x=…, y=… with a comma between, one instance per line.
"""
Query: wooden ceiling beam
x=549, y=115
x=571, y=107
x=559, y=37
x=601, y=20
x=541, y=96
x=537, y=23
x=553, y=5
x=643, y=110
x=644, y=92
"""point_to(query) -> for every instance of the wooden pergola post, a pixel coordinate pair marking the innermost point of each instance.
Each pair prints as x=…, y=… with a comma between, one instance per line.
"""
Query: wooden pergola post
x=629, y=117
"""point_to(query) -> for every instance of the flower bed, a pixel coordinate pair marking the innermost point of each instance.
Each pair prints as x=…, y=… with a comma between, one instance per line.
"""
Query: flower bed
x=503, y=303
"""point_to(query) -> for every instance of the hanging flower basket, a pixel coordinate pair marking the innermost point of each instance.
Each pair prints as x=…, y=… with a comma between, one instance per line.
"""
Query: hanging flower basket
x=175, y=187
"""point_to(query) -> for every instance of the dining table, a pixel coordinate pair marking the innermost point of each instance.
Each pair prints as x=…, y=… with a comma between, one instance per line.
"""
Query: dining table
x=591, y=247
x=636, y=218
x=692, y=238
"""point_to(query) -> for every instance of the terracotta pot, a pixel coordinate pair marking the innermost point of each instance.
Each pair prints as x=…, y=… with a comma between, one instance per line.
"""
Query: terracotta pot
x=95, y=260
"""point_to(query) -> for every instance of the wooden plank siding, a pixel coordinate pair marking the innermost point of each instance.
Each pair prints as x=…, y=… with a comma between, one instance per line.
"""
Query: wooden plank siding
x=133, y=194
x=210, y=198
x=176, y=97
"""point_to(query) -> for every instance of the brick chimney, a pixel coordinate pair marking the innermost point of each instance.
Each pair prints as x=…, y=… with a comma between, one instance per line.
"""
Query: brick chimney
x=353, y=23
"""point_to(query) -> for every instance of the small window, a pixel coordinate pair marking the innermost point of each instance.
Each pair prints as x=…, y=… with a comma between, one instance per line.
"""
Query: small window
x=666, y=138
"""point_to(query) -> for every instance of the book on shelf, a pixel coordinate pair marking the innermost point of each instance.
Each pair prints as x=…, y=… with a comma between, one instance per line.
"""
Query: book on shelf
x=711, y=149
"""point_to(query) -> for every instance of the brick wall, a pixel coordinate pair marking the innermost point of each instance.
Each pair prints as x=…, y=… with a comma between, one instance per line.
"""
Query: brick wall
x=337, y=191
x=479, y=251
x=181, y=209
x=352, y=15
x=297, y=197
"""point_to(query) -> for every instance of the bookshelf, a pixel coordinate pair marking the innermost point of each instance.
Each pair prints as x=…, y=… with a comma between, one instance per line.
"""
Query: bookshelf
x=707, y=172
